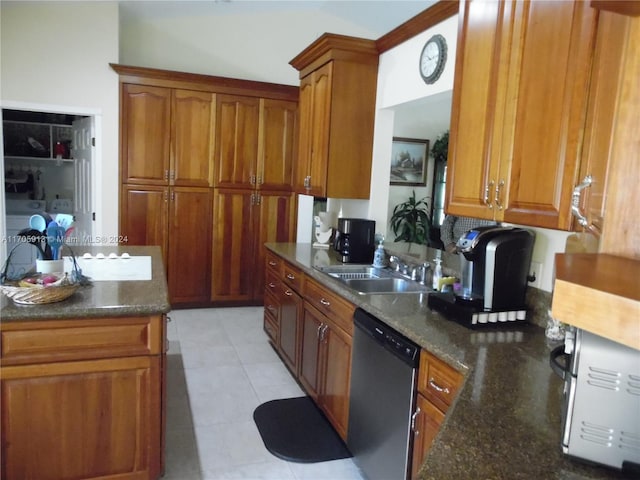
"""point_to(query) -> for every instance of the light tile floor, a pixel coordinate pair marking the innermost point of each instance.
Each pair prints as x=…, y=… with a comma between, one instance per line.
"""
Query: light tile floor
x=220, y=368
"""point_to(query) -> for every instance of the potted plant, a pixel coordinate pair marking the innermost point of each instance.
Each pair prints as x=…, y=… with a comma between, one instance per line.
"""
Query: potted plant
x=440, y=148
x=410, y=221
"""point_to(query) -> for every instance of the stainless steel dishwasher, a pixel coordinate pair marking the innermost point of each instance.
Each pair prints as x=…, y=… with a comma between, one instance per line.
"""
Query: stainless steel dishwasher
x=383, y=375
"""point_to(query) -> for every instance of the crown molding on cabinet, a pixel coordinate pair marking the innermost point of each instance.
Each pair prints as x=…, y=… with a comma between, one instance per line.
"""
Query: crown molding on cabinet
x=418, y=24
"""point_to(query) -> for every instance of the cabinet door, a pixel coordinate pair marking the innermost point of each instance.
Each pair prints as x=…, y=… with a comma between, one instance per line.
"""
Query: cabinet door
x=278, y=131
x=607, y=67
x=545, y=115
x=302, y=165
x=290, y=327
x=477, y=104
x=95, y=419
x=426, y=423
x=275, y=223
x=144, y=216
x=312, y=323
x=145, y=133
x=190, y=245
x=232, y=267
x=336, y=376
x=236, y=151
x=192, y=147
x=321, y=124
x=315, y=111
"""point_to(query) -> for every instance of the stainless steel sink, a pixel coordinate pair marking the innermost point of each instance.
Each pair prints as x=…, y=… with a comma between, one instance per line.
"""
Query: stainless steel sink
x=367, y=280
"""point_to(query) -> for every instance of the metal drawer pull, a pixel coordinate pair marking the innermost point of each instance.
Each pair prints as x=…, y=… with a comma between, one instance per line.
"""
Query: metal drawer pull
x=324, y=302
x=323, y=332
x=319, y=330
x=499, y=194
x=272, y=263
x=288, y=293
x=486, y=194
x=291, y=276
x=437, y=387
x=413, y=421
x=272, y=285
x=575, y=200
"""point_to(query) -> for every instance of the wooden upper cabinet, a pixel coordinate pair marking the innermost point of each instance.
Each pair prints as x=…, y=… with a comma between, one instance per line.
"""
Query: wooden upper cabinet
x=337, y=109
x=145, y=128
x=192, y=148
x=167, y=136
x=236, y=150
x=277, y=142
x=613, y=32
x=519, y=109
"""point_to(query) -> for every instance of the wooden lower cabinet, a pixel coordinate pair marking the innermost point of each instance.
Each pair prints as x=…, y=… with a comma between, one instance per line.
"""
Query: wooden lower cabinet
x=325, y=369
x=426, y=423
x=438, y=385
x=85, y=418
x=179, y=220
x=290, y=328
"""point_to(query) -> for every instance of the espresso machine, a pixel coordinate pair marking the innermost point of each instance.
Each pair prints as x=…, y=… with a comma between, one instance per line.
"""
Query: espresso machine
x=354, y=240
x=494, y=268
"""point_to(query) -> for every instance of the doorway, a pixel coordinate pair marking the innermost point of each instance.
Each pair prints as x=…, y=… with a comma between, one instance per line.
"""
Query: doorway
x=48, y=164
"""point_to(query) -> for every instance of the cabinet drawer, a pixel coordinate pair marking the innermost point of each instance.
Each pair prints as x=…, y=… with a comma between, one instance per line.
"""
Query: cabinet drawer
x=270, y=325
x=272, y=283
x=330, y=304
x=437, y=381
x=273, y=263
x=53, y=341
x=292, y=276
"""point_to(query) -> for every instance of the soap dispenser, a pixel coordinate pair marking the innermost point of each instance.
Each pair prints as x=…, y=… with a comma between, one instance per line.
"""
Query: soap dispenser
x=437, y=272
x=379, y=256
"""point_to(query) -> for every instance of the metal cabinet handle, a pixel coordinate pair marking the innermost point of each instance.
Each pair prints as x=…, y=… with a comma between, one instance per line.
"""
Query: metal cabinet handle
x=323, y=332
x=272, y=263
x=318, y=333
x=291, y=276
x=488, y=188
x=324, y=302
x=252, y=179
x=166, y=174
x=288, y=293
x=575, y=200
x=307, y=182
x=437, y=387
x=413, y=421
x=498, y=198
x=272, y=285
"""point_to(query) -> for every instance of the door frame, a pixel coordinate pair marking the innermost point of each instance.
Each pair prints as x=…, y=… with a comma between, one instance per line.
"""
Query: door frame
x=96, y=156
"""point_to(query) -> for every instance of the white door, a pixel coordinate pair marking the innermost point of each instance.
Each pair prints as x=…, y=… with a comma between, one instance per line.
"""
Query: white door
x=82, y=154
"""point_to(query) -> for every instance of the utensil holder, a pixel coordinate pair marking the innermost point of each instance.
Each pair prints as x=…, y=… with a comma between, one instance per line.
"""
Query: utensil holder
x=49, y=266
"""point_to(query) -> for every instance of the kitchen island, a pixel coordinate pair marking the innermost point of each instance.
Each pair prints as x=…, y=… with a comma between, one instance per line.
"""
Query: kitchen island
x=505, y=423
x=83, y=379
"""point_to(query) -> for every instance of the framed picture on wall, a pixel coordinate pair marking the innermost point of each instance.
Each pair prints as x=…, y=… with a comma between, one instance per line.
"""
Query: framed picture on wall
x=409, y=158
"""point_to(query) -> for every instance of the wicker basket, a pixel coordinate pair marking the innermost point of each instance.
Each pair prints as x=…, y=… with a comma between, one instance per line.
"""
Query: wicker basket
x=40, y=294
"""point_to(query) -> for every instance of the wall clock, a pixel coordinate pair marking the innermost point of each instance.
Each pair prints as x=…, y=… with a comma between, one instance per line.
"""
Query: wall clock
x=433, y=58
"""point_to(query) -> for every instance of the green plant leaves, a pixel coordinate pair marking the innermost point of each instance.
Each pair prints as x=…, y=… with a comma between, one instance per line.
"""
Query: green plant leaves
x=410, y=221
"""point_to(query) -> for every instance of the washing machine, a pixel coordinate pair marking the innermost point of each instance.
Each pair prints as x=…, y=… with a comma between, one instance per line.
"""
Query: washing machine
x=18, y=212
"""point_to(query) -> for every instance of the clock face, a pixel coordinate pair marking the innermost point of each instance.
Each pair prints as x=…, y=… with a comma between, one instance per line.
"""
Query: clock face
x=433, y=58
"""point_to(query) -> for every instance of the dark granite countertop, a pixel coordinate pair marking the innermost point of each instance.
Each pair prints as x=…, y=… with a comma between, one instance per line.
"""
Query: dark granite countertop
x=102, y=298
x=506, y=421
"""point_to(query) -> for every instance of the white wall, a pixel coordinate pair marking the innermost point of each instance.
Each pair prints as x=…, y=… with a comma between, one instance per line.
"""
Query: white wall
x=55, y=57
x=399, y=82
x=251, y=44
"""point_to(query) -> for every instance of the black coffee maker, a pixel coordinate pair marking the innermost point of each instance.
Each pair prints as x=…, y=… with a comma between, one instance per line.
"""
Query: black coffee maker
x=494, y=264
x=354, y=240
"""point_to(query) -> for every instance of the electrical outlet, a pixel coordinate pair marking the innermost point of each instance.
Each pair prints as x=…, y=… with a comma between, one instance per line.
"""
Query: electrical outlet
x=536, y=271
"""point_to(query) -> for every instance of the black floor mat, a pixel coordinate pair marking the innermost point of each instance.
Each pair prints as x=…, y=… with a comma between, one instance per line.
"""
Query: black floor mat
x=294, y=429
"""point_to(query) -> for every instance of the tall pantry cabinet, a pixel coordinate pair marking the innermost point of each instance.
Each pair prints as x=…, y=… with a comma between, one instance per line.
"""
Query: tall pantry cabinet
x=196, y=154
